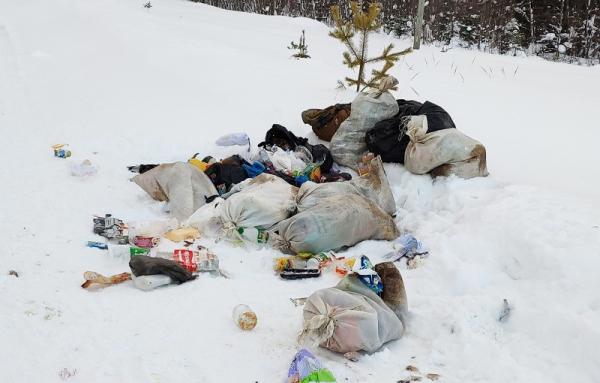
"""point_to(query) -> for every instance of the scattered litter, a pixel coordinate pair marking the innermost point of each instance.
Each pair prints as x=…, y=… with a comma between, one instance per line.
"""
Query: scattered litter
x=300, y=273
x=306, y=368
x=150, y=282
x=193, y=260
x=144, y=265
x=65, y=373
x=433, y=377
x=244, y=317
x=97, y=245
x=111, y=228
x=145, y=242
x=407, y=246
x=352, y=356
x=135, y=251
x=365, y=273
x=298, y=301
x=13, y=273
x=232, y=139
x=415, y=262
x=84, y=169
x=412, y=378
x=412, y=368
x=505, y=313
x=60, y=152
x=181, y=234
x=95, y=279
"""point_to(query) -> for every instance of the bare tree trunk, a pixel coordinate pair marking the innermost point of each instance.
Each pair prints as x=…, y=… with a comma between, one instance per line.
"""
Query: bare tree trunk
x=559, y=28
x=531, y=28
x=419, y=25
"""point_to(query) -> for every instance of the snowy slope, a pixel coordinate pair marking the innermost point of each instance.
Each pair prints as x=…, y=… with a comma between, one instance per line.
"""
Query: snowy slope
x=123, y=84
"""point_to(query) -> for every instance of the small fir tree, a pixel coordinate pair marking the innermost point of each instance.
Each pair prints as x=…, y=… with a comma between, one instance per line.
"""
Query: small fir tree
x=301, y=47
x=362, y=24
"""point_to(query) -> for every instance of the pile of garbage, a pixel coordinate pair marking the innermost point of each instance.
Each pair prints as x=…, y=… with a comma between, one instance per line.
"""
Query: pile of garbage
x=294, y=197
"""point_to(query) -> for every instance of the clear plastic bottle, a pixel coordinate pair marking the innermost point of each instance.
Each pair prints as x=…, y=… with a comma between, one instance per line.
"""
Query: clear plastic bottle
x=254, y=235
x=150, y=282
x=244, y=317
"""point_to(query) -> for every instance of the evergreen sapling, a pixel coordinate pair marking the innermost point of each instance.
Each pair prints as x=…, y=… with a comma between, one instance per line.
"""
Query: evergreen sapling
x=361, y=25
x=301, y=47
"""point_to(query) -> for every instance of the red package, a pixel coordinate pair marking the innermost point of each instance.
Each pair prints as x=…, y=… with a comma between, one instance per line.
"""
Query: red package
x=186, y=258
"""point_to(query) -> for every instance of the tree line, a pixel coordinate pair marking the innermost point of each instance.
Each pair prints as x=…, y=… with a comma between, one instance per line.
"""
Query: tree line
x=566, y=30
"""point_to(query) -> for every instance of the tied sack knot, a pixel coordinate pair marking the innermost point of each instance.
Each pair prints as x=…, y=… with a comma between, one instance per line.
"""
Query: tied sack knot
x=319, y=328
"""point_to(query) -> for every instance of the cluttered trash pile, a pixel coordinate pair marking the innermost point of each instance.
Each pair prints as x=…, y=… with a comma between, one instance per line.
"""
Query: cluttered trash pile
x=297, y=197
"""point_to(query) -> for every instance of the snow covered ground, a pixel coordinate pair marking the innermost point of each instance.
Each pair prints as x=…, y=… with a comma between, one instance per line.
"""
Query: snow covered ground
x=123, y=85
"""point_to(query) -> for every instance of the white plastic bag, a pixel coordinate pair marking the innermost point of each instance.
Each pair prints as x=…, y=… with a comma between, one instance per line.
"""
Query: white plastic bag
x=287, y=161
x=334, y=222
x=266, y=200
x=349, y=317
x=443, y=152
x=348, y=143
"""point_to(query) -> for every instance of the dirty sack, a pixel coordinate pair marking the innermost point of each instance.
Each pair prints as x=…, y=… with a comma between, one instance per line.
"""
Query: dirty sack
x=182, y=184
x=263, y=202
x=373, y=186
x=207, y=219
x=335, y=222
x=444, y=152
x=325, y=122
x=348, y=143
x=349, y=317
x=388, y=137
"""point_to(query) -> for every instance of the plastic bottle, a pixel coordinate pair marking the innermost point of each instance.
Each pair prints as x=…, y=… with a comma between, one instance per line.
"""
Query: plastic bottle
x=244, y=317
x=312, y=263
x=150, y=282
x=254, y=235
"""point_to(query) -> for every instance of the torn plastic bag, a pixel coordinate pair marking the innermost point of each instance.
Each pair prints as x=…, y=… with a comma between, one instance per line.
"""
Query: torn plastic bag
x=444, y=152
x=349, y=317
x=335, y=222
x=182, y=184
x=348, y=143
x=373, y=186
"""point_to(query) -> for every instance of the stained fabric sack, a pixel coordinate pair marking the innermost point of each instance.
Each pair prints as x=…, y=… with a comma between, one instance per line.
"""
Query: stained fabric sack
x=373, y=186
x=348, y=143
x=325, y=122
x=182, y=184
x=349, y=317
x=335, y=222
x=207, y=219
x=388, y=139
x=265, y=201
x=444, y=152
x=279, y=136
